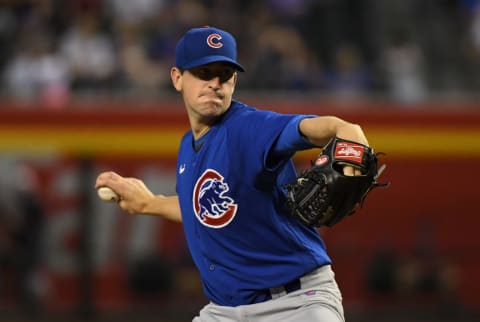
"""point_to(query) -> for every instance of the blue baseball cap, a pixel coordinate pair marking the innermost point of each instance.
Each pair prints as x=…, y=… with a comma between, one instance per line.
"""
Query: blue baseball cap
x=201, y=46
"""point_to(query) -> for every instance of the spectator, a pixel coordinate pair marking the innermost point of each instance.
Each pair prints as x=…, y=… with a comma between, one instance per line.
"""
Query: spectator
x=138, y=70
x=403, y=64
x=90, y=54
x=7, y=28
x=472, y=18
x=349, y=76
x=471, y=8
x=283, y=50
x=36, y=71
x=134, y=13
x=475, y=28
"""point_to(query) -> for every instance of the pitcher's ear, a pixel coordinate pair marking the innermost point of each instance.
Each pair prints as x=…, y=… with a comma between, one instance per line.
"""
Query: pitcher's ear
x=176, y=76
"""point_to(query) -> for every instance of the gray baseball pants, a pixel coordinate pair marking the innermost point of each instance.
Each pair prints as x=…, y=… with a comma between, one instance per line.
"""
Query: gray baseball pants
x=318, y=299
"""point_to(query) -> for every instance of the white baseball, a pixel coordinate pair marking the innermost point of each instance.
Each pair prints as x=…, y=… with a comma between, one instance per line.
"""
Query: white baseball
x=107, y=194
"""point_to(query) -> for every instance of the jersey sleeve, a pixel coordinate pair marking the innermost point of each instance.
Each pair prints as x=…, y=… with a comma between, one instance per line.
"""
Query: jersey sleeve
x=290, y=139
x=259, y=132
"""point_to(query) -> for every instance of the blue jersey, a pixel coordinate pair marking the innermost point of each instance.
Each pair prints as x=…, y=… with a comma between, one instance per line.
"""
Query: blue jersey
x=231, y=195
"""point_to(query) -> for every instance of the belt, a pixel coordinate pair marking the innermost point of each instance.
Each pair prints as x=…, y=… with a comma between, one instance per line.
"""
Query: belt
x=305, y=281
x=276, y=292
x=290, y=287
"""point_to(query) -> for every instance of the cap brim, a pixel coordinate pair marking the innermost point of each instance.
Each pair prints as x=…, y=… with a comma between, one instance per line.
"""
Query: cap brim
x=213, y=59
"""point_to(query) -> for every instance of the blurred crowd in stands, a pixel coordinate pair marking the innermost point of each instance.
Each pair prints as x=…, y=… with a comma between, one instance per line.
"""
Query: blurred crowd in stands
x=407, y=50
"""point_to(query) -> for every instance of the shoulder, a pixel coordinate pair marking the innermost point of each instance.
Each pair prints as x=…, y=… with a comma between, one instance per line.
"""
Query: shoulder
x=250, y=117
x=253, y=124
x=187, y=136
x=242, y=110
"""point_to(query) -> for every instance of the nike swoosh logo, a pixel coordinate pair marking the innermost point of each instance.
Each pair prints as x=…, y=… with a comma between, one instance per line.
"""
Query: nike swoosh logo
x=181, y=169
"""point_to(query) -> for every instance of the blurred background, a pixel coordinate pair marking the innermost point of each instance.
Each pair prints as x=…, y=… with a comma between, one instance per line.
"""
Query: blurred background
x=85, y=87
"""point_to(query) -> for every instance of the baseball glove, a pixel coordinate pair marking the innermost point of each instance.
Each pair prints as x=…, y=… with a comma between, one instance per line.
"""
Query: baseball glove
x=322, y=195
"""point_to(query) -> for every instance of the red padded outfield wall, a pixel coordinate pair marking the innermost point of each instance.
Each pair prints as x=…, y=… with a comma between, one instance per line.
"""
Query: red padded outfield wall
x=432, y=156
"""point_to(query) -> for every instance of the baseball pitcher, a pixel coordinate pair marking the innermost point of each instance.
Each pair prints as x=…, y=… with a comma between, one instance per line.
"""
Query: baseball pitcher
x=250, y=221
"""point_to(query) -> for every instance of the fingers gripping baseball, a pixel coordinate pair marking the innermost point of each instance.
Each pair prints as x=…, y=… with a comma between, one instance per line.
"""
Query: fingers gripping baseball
x=107, y=194
x=133, y=194
x=349, y=170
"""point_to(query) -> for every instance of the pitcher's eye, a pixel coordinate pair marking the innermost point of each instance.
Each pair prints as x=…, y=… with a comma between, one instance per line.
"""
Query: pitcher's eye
x=202, y=73
x=207, y=73
x=226, y=74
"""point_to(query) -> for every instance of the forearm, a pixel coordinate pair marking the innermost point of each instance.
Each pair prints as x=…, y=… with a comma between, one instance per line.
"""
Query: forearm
x=320, y=130
x=136, y=198
x=167, y=207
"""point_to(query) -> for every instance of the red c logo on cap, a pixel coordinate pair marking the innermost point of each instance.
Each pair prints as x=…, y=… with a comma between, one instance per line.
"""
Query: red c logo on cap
x=213, y=41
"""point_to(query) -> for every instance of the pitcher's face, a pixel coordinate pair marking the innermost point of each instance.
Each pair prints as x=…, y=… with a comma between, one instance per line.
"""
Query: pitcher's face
x=207, y=90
